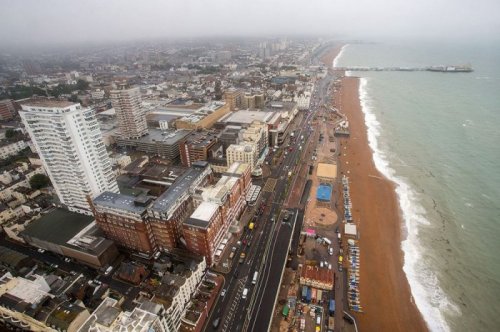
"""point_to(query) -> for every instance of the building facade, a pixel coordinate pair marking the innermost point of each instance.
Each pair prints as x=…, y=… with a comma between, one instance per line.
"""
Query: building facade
x=69, y=142
x=130, y=114
x=7, y=109
x=11, y=149
x=246, y=152
x=146, y=225
x=196, y=145
x=222, y=203
x=234, y=98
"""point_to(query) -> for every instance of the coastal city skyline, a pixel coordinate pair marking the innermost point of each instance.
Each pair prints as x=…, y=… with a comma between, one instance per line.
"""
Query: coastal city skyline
x=111, y=21
x=320, y=166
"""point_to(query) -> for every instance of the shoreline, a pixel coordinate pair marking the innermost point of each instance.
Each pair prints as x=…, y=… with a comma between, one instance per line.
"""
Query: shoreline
x=384, y=288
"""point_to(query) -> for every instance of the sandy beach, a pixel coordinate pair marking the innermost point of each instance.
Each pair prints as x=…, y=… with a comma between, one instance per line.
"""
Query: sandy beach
x=384, y=290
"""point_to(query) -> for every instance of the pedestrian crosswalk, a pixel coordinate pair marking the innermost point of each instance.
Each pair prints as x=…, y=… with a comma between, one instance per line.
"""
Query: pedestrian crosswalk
x=270, y=184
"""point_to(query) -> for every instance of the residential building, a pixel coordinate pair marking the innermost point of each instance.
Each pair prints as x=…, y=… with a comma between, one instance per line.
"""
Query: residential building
x=221, y=205
x=69, y=142
x=109, y=317
x=196, y=145
x=256, y=132
x=145, y=225
x=245, y=152
x=123, y=220
x=11, y=149
x=129, y=112
x=174, y=206
x=22, y=303
x=234, y=98
x=7, y=109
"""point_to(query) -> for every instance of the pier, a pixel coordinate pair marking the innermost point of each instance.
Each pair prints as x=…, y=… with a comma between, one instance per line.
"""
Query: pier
x=440, y=69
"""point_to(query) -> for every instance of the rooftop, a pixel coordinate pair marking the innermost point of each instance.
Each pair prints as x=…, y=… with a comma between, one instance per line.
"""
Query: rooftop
x=179, y=187
x=247, y=116
x=236, y=169
x=169, y=137
x=205, y=211
x=119, y=201
x=46, y=102
x=200, y=139
x=57, y=226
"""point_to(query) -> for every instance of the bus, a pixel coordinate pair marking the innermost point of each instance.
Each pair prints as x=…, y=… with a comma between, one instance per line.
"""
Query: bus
x=255, y=275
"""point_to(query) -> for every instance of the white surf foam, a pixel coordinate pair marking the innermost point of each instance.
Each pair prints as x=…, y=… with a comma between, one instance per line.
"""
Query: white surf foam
x=337, y=58
x=428, y=296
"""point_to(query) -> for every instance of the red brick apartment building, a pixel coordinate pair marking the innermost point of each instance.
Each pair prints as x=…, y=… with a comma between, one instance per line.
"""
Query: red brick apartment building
x=144, y=224
x=222, y=204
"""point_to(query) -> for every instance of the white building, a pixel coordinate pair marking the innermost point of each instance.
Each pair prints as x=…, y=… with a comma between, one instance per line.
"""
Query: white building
x=245, y=153
x=97, y=94
x=12, y=149
x=70, y=145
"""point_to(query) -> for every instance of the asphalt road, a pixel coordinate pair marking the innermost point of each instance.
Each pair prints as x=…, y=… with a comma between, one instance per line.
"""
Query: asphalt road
x=269, y=243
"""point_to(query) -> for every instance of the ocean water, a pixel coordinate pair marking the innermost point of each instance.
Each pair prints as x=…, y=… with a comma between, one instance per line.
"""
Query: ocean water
x=437, y=136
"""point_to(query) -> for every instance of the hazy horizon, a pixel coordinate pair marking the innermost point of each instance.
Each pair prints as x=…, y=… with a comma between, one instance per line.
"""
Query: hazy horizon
x=55, y=22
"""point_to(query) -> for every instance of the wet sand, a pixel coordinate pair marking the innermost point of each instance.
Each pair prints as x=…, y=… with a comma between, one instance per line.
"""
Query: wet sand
x=384, y=290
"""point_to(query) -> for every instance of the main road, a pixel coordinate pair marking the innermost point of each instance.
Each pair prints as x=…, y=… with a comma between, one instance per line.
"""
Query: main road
x=269, y=243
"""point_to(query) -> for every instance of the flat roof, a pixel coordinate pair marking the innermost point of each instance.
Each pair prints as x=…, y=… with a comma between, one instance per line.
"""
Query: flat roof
x=237, y=168
x=119, y=201
x=46, y=102
x=247, y=116
x=177, y=189
x=205, y=211
x=200, y=139
x=169, y=137
x=58, y=226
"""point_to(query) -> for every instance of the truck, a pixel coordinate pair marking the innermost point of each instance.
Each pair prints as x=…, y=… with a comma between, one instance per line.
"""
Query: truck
x=331, y=324
x=331, y=307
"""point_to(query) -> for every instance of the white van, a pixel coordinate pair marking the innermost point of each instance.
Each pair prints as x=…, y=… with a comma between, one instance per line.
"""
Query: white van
x=108, y=271
x=245, y=293
x=255, y=275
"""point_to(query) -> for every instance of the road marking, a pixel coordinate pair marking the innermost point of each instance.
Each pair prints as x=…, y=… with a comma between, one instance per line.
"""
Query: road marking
x=270, y=184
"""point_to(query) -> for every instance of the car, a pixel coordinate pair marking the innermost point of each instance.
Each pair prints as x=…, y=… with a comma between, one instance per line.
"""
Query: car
x=337, y=229
x=40, y=250
x=340, y=268
x=330, y=251
x=222, y=293
x=67, y=259
x=233, y=249
x=244, y=242
x=216, y=322
x=242, y=257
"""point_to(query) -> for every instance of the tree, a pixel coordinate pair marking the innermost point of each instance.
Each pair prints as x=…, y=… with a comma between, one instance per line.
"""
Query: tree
x=39, y=181
x=82, y=85
x=10, y=133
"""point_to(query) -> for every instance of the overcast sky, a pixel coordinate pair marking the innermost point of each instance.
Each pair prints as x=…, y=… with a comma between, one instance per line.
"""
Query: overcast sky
x=45, y=22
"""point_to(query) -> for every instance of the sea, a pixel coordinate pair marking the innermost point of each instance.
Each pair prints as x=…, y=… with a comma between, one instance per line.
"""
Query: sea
x=437, y=136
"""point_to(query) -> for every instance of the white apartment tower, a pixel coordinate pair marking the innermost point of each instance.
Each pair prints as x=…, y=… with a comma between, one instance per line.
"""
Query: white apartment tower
x=129, y=112
x=68, y=139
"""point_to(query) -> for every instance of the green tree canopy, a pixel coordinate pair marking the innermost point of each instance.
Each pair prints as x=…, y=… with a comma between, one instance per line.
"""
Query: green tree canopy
x=39, y=181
